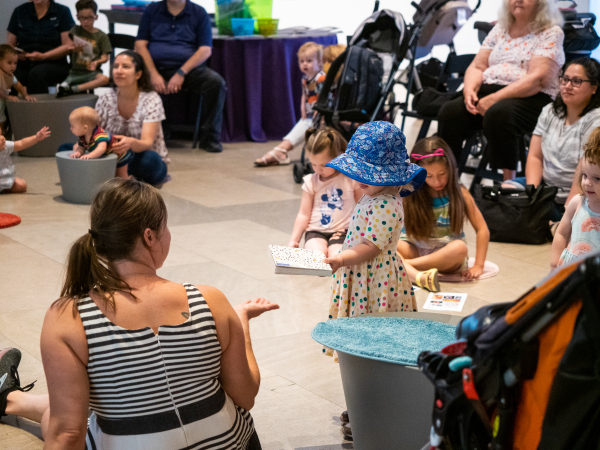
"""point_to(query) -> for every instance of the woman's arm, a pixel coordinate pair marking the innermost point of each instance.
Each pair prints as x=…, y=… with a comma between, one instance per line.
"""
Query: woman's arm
x=365, y=251
x=535, y=161
x=482, y=236
x=56, y=53
x=541, y=72
x=11, y=39
x=64, y=355
x=474, y=79
x=149, y=133
x=239, y=375
x=306, y=207
x=563, y=232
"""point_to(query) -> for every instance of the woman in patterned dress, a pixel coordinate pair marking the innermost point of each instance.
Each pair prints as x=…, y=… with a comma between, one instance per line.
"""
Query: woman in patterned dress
x=514, y=75
x=161, y=365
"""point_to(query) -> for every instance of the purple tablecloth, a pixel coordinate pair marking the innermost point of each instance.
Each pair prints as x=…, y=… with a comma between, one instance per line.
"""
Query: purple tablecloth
x=263, y=85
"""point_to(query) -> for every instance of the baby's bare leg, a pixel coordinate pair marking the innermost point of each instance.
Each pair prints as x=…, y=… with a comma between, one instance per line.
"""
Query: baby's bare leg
x=316, y=244
x=19, y=186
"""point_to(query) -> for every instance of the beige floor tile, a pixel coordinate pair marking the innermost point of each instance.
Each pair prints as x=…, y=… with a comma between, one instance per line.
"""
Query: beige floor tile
x=23, y=328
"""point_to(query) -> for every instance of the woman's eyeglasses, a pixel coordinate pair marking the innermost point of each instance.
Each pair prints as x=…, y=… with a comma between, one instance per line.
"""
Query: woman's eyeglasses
x=575, y=82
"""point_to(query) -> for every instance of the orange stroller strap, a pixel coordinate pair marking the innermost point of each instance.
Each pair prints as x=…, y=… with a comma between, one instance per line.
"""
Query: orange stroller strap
x=531, y=299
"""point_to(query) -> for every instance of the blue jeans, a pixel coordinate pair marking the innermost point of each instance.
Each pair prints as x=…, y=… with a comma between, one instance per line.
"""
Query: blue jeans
x=146, y=166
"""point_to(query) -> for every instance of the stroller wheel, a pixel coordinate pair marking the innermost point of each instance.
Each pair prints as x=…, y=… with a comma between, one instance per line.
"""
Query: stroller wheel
x=298, y=172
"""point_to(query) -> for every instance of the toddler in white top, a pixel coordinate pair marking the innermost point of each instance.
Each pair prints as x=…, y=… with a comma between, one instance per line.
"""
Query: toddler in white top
x=9, y=183
x=328, y=196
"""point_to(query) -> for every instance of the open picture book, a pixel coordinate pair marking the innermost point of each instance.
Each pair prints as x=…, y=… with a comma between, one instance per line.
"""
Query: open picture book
x=299, y=261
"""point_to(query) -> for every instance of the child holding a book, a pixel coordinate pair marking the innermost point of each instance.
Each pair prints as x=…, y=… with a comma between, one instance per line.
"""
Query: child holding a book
x=328, y=196
x=9, y=183
x=91, y=50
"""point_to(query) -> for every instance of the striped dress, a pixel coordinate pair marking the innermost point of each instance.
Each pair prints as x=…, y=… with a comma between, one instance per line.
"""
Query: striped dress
x=160, y=391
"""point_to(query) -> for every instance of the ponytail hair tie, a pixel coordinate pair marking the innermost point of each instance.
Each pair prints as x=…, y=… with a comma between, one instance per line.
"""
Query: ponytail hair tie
x=93, y=234
x=438, y=152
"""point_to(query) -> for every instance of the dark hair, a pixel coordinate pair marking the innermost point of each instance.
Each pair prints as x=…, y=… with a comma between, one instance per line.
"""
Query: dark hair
x=120, y=212
x=419, y=220
x=144, y=83
x=7, y=49
x=592, y=71
x=319, y=140
x=86, y=4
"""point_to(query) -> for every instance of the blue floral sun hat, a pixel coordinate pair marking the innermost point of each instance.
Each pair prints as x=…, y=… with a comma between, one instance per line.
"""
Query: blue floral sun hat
x=377, y=155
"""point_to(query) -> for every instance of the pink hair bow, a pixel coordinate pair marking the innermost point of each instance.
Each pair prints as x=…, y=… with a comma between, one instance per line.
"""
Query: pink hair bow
x=438, y=152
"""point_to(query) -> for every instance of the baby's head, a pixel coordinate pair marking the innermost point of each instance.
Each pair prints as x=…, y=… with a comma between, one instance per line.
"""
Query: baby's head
x=83, y=121
x=376, y=158
x=9, y=58
x=435, y=156
x=589, y=178
x=87, y=13
x=310, y=58
x=321, y=147
x=330, y=53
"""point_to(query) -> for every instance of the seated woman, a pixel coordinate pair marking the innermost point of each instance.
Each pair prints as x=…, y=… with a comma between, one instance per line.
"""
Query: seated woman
x=511, y=79
x=133, y=113
x=41, y=29
x=561, y=132
x=161, y=365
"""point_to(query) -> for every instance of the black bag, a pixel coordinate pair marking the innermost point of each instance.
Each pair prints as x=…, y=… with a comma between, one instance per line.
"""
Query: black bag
x=518, y=217
x=359, y=87
x=429, y=72
x=579, y=36
x=429, y=101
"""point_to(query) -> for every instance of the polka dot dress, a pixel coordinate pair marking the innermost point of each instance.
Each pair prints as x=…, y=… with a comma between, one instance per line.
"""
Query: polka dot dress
x=381, y=284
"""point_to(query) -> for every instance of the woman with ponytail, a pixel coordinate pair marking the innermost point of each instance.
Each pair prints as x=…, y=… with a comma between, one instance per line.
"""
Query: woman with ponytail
x=160, y=365
x=328, y=196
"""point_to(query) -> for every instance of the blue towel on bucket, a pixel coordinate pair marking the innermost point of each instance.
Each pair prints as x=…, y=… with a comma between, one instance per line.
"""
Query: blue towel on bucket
x=391, y=339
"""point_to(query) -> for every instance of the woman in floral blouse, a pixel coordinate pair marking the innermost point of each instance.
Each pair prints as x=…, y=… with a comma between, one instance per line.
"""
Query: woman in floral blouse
x=132, y=113
x=514, y=75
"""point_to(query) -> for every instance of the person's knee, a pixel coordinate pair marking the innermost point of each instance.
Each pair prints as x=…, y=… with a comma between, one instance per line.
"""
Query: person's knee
x=498, y=116
x=103, y=79
x=19, y=186
x=460, y=249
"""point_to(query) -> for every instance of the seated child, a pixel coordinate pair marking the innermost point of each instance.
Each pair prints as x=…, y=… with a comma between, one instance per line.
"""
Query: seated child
x=87, y=58
x=94, y=142
x=310, y=58
x=432, y=238
x=328, y=196
x=9, y=183
x=330, y=53
x=580, y=225
x=8, y=64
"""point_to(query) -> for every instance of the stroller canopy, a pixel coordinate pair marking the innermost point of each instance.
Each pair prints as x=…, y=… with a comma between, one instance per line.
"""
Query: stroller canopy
x=385, y=32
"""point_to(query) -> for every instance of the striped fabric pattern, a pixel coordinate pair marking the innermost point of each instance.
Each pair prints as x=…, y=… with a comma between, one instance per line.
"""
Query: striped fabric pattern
x=159, y=384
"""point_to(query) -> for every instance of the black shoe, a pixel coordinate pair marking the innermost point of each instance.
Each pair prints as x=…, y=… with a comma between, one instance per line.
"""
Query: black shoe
x=9, y=377
x=344, y=418
x=211, y=147
x=64, y=91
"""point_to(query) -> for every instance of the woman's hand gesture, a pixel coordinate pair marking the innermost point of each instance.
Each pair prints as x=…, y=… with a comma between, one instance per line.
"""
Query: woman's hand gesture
x=121, y=144
x=254, y=308
x=471, y=100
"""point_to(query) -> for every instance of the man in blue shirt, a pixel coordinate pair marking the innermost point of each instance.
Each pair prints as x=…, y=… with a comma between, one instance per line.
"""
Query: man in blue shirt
x=175, y=40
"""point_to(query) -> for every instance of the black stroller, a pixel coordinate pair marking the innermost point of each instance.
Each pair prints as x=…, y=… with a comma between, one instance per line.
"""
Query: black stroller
x=368, y=69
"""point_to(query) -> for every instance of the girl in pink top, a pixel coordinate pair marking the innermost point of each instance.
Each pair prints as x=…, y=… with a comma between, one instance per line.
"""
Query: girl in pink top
x=328, y=196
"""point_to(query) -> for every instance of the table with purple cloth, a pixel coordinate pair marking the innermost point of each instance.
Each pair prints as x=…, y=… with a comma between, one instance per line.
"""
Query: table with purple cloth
x=263, y=85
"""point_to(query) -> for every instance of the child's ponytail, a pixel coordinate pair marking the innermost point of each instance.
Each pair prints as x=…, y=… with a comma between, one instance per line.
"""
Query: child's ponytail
x=121, y=211
x=320, y=139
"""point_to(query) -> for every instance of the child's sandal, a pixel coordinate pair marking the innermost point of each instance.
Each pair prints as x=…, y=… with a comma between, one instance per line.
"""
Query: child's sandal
x=428, y=280
x=277, y=158
x=9, y=377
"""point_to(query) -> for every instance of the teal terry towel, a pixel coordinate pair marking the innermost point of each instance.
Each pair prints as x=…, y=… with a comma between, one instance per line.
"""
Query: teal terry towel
x=391, y=339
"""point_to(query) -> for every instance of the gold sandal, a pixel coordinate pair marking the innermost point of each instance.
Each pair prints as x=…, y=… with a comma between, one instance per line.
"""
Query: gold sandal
x=428, y=280
x=277, y=160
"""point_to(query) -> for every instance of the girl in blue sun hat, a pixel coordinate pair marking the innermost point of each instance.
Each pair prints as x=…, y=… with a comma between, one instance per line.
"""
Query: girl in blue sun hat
x=368, y=275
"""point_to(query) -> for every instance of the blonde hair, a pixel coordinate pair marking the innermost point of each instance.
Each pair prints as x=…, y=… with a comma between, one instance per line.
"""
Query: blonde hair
x=591, y=153
x=318, y=141
x=331, y=52
x=85, y=115
x=312, y=47
x=547, y=15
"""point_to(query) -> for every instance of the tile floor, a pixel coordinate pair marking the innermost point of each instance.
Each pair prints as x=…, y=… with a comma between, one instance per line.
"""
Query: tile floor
x=222, y=213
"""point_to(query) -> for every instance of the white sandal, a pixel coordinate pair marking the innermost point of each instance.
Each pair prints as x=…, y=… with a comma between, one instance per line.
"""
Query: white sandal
x=277, y=160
